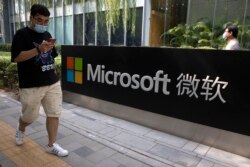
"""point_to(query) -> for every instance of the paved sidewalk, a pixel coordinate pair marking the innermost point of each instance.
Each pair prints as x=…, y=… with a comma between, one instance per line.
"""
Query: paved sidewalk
x=98, y=140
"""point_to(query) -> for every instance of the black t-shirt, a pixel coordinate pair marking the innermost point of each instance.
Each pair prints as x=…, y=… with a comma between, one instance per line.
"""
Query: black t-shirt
x=39, y=70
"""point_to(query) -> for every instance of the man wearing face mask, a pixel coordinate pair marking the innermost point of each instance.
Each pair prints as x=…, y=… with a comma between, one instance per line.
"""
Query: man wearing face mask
x=230, y=36
x=38, y=82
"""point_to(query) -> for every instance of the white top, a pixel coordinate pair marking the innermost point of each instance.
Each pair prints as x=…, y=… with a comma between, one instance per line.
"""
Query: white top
x=233, y=45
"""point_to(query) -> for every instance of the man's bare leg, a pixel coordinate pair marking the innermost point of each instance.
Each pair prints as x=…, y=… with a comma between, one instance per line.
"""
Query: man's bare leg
x=52, y=127
x=22, y=125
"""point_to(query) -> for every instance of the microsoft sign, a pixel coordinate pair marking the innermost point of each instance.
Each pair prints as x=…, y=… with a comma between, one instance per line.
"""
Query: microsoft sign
x=201, y=86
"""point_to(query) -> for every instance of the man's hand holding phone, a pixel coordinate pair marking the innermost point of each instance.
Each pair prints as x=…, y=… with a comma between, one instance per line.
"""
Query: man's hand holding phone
x=46, y=45
x=52, y=40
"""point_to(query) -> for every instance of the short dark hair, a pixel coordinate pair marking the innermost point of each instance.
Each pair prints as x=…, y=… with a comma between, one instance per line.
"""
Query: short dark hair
x=39, y=9
x=234, y=30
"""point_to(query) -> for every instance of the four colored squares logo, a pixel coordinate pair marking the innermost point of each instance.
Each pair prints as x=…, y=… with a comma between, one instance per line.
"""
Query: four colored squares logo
x=75, y=70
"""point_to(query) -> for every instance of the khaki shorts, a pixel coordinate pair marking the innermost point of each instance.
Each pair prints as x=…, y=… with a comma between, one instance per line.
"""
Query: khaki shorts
x=50, y=97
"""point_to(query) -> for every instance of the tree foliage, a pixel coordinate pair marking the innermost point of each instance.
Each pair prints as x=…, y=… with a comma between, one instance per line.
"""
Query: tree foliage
x=116, y=9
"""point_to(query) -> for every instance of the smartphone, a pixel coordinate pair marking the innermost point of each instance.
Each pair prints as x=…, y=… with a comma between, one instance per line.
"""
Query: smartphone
x=52, y=40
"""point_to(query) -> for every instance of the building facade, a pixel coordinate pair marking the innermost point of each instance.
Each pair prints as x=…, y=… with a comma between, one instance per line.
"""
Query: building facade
x=173, y=23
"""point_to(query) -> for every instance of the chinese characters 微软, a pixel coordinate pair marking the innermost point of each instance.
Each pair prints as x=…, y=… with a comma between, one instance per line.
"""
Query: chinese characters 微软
x=211, y=89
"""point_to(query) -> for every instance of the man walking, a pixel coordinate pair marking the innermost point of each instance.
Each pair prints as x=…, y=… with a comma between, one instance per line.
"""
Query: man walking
x=39, y=85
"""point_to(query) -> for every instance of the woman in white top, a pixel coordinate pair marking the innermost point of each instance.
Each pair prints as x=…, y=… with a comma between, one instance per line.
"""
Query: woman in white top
x=230, y=35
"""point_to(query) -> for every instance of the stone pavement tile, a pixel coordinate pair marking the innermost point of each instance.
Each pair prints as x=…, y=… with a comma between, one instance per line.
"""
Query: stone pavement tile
x=190, y=146
x=93, y=145
x=39, y=128
x=167, y=138
x=76, y=161
x=3, y=106
x=9, y=111
x=134, y=141
x=230, y=158
x=2, y=156
x=28, y=130
x=11, y=103
x=107, y=163
x=42, y=141
x=202, y=149
x=111, y=132
x=16, y=115
x=205, y=163
x=68, y=106
x=38, y=135
x=70, y=139
x=72, y=146
x=100, y=155
x=7, y=163
x=35, y=124
x=84, y=151
x=91, y=125
x=89, y=113
x=174, y=155
x=9, y=120
x=129, y=126
x=65, y=131
x=149, y=159
x=217, y=165
x=127, y=161
x=68, y=114
x=8, y=102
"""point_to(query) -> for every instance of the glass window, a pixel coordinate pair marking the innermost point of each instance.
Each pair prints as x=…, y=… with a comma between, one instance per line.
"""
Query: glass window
x=167, y=14
x=68, y=30
x=27, y=9
x=68, y=7
x=102, y=34
x=58, y=8
x=135, y=39
x=59, y=32
x=245, y=35
x=117, y=35
x=225, y=15
x=78, y=29
x=197, y=24
x=90, y=28
x=22, y=24
x=51, y=27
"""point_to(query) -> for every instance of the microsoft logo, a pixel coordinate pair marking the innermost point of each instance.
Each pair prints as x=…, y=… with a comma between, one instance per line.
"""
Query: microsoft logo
x=74, y=70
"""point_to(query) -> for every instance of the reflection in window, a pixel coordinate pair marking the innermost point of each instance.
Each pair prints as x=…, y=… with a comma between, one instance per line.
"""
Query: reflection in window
x=117, y=35
x=245, y=38
x=201, y=24
x=102, y=34
x=68, y=7
x=135, y=40
x=90, y=28
x=78, y=29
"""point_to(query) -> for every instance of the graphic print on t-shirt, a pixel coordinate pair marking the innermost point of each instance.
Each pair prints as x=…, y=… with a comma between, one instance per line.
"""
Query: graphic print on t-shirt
x=44, y=59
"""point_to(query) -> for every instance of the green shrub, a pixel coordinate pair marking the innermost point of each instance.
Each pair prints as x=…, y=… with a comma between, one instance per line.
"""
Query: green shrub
x=4, y=61
x=202, y=35
x=5, y=47
x=9, y=74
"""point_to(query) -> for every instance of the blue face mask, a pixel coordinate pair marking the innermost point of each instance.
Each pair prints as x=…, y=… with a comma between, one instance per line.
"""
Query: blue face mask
x=40, y=28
